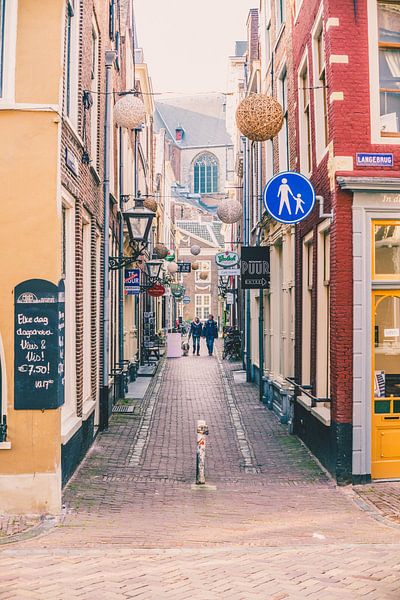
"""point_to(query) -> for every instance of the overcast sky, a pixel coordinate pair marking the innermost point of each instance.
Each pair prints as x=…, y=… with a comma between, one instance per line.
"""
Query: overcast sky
x=186, y=43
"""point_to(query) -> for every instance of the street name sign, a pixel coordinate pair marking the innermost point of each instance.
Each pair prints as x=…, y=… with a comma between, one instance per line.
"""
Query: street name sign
x=227, y=259
x=186, y=300
x=228, y=272
x=255, y=267
x=374, y=159
x=184, y=267
x=289, y=197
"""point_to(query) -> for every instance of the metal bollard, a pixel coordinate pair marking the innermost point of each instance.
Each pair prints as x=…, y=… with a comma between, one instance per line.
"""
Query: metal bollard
x=202, y=431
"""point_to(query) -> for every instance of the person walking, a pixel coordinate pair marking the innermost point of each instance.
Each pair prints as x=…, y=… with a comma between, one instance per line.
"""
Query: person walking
x=210, y=332
x=195, y=332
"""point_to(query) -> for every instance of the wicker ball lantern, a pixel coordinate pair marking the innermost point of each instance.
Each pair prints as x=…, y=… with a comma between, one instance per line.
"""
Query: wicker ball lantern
x=195, y=249
x=259, y=117
x=170, y=256
x=203, y=275
x=150, y=204
x=195, y=266
x=129, y=112
x=172, y=267
x=229, y=211
x=161, y=250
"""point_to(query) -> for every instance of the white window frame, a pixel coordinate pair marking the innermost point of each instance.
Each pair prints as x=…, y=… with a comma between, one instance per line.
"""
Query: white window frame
x=320, y=93
x=7, y=94
x=72, y=65
x=204, y=265
x=305, y=134
x=280, y=13
x=373, y=39
x=94, y=112
x=306, y=317
x=68, y=410
x=87, y=307
x=203, y=305
x=3, y=391
x=322, y=378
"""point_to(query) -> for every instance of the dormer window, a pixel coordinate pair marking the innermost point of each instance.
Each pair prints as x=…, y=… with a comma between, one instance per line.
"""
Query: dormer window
x=179, y=133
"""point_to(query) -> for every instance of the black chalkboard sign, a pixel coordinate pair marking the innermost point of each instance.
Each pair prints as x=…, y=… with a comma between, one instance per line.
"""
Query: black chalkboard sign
x=39, y=324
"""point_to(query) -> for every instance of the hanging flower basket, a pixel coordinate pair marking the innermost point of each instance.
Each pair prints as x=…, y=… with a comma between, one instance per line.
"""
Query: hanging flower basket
x=259, y=117
x=229, y=211
x=195, y=266
x=161, y=250
x=129, y=112
x=195, y=249
x=172, y=267
x=203, y=275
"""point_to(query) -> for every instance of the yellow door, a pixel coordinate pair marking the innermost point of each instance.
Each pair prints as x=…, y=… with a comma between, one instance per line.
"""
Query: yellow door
x=386, y=385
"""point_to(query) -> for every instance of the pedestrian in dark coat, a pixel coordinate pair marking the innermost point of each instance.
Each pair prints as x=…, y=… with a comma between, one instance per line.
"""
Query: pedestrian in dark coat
x=195, y=332
x=210, y=332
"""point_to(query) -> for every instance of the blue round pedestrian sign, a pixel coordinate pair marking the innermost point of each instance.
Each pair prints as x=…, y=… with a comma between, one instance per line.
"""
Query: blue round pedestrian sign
x=289, y=197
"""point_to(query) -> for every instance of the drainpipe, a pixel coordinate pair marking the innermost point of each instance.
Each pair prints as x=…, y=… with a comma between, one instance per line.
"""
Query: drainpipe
x=246, y=243
x=261, y=334
x=121, y=253
x=110, y=56
x=243, y=306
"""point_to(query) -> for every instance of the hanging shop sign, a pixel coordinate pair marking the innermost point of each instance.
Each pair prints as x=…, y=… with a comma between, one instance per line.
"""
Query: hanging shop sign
x=156, y=291
x=289, y=197
x=228, y=272
x=184, y=267
x=186, y=299
x=132, y=282
x=227, y=259
x=373, y=159
x=255, y=267
x=170, y=256
x=39, y=325
x=230, y=298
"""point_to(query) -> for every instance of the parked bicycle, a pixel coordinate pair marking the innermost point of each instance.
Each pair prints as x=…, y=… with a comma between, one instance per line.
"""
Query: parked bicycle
x=232, y=344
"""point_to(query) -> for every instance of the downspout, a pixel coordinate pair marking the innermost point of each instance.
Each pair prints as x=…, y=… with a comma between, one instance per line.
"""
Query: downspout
x=249, y=150
x=121, y=253
x=104, y=392
x=261, y=298
x=243, y=306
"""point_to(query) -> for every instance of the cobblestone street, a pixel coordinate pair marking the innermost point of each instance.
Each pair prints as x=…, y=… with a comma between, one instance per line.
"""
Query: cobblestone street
x=269, y=524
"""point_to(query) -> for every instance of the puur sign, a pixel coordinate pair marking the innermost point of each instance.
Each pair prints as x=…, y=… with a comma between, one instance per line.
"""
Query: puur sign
x=255, y=267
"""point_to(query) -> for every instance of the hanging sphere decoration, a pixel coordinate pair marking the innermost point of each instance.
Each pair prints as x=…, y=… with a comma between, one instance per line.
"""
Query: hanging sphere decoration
x=161, y=250
x=229, y=211
x=129, y=112
x=172, y=267
x=259, y=117
x=195, y=265
x=203, y=275
x=195, y=249
x=170, y=256
x=150, y=204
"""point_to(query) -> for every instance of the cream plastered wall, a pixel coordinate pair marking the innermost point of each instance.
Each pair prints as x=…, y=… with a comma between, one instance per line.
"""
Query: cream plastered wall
x=30, y=242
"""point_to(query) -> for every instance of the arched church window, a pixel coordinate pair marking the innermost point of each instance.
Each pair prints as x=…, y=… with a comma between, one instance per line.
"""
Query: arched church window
x=205, y=175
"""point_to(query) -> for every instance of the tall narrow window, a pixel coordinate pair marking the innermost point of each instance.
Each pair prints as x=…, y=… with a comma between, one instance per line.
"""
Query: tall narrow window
x=284, y=132
x=87, y=308
x=2, y=32
x=323, y=314
x=321, y=96
x=389, y=67
x=72, y=62
x=280, y=11
x=305, y=122
x=307, y=284
x=205, y=175
x=95, y=85
x=202, y=305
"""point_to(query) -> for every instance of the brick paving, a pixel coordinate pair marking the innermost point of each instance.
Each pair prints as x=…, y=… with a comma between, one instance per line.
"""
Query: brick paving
x=271, y=524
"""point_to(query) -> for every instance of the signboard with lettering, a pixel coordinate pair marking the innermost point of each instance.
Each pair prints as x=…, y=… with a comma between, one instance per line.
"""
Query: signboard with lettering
x=132, y=282
x=227, y=259
x=230, y=298
x=39, y=326
x=228, y=272
x=374, y=159
x=255, y=267
x=184, y=267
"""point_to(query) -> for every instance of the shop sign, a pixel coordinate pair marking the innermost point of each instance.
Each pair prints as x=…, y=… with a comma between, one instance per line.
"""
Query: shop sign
x=156, y=291
x=289, y=197
x=184, y=267
x=132, y=282
x=374, y=159
x=186, y=300
x=255, y=267
x=230, y=298
x=228, y=272
x=227, y=259
x=39, y=326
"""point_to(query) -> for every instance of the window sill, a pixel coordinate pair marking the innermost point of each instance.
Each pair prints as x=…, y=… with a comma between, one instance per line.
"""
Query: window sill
x=323, y=414
x=74, y=130
x=88, y=407
x=280, y=33
x=5, y=445
x=95, y=174
x=304, y=401
x=69, y=427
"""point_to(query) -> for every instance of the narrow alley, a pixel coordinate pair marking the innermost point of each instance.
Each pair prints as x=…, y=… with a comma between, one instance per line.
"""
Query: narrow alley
x=268, y=524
